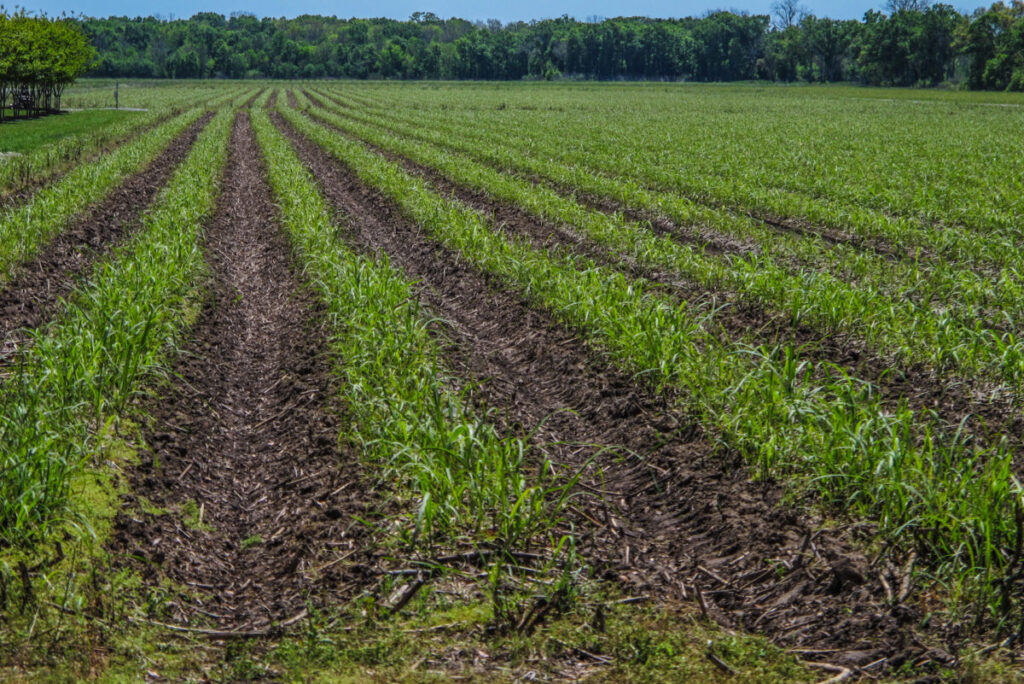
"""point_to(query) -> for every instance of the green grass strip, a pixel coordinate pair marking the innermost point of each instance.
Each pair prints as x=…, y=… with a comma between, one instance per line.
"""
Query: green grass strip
x=84, y=368
x=925, y=489
x=405, y=417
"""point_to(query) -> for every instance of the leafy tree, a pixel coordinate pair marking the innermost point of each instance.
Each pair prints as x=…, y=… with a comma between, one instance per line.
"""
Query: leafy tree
x=908, y=47
x=39, y=57
x=994, y=42
x=913, y=43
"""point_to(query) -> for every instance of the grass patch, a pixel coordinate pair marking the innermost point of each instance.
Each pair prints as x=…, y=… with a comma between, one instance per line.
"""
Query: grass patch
x=192, y=515
x=599, y=640
x=24, y=135
x=249, y=542
x=47, y=621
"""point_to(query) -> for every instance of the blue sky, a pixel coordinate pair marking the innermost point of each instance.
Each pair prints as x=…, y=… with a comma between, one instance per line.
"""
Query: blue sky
x=468, y=9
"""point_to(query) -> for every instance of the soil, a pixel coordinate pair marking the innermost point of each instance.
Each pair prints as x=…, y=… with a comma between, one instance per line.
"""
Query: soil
x=660, y=509
x=34, y=292
x=243, y=446
x=988, y=419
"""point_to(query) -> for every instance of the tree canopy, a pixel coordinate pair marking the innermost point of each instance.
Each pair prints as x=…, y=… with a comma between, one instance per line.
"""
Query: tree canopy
x=39, y=57
x=913, y=44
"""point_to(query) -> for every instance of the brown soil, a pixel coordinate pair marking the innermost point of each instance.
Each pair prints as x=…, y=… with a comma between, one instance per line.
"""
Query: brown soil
x=988, y=420
x=247, y=437
x=34, y=291
x=659, y=511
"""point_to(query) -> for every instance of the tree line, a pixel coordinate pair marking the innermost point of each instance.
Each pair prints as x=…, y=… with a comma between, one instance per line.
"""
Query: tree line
x=909, y=44
x=39, y=57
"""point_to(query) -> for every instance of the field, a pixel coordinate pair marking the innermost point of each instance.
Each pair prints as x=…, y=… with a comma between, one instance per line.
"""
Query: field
x=333, y=380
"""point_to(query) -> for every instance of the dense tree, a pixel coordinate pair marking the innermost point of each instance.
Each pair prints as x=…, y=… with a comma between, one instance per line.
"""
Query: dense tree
x=913, y=44
x=908, y=47
x=425, y=47
x=728, y=45
x=993, y=40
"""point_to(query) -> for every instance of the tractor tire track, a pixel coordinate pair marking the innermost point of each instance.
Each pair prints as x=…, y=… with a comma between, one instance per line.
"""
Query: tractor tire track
x=244, y=446
x=666, y=515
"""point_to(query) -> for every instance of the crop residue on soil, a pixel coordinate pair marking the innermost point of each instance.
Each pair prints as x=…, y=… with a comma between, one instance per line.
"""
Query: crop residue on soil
x=672, y=524
x=244, y=445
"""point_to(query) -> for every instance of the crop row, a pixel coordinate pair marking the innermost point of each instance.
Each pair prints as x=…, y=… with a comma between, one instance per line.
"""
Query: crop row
x=861, y=163
x=40, y=164
x=116, y=330
x=936, y=258
x=405, y=417
x=26, y=228
x=18, y=172
x=149, y=94
x=918, y=245
x=884, y=315
x=833, y=437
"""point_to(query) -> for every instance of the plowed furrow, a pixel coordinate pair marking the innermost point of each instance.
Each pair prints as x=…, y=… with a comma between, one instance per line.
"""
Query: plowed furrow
x=244, y=444
x=658, y=509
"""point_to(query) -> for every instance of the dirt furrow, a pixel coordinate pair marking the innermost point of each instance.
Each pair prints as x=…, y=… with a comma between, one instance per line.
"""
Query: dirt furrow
x=662, y=513
x=34, y=290
x=245, y=495
x=989, y=419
